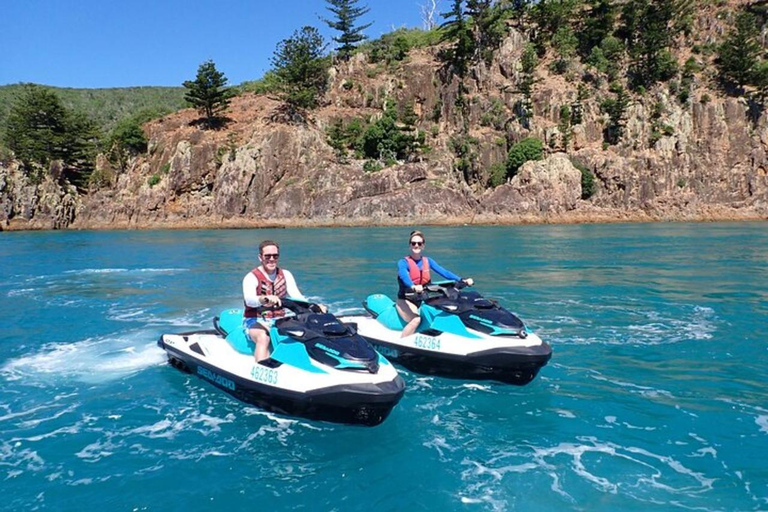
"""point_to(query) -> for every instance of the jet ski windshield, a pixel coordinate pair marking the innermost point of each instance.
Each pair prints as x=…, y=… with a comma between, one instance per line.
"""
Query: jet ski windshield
x=329, y=341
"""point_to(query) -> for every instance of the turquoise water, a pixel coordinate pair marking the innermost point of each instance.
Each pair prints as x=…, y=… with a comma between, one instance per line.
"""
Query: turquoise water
x=655, y=397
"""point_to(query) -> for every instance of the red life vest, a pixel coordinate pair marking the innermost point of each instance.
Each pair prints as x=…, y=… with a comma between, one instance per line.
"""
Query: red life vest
x=267, y=287
x=418, y=275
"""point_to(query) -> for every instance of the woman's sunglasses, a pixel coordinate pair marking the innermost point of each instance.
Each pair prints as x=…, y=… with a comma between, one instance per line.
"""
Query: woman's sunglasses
x=417, y=244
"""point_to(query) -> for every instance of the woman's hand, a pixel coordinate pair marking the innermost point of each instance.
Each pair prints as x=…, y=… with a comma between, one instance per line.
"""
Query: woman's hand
x=469, y=281
x=418, y=288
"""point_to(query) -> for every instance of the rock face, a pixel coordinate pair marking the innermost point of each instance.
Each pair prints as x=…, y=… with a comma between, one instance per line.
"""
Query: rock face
x=710, y=160
x=540, y=187
x=46, y=205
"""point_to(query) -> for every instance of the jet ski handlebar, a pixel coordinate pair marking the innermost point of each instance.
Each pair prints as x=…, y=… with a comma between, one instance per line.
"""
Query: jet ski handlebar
x=300, y=306
x=441, y=289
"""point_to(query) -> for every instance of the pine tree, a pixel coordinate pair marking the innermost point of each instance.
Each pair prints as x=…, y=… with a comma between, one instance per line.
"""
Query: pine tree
x=41, y=131
x=738, y=55
x=597, y=22
x=489, y=27
x=457, y=30
x=207, y=93
x=649, y=28
x=36, y=127
x=300, y=69
x=346, y=14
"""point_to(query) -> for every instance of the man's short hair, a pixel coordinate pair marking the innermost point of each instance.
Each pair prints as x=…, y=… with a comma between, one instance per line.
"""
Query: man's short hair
x=265, y=243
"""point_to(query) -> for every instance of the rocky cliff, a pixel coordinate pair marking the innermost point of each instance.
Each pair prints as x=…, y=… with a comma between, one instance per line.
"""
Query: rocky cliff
x=709, y=163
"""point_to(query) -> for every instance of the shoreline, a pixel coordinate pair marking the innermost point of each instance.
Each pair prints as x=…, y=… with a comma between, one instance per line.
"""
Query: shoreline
x=596, y=216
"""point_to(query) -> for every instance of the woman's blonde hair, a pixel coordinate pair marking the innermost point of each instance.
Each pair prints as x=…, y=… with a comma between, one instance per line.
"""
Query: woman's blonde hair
x=416, y=232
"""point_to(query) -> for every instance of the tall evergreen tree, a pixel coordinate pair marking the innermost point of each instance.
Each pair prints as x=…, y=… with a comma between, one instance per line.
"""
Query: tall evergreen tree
x=457, y=29
x=36, y=127
x=40, y=131
x=300, y=69
x=597, y=22
x=207, y=93
x=488, y=22
x=738, y=55
x=649, y=27
x=346, y=14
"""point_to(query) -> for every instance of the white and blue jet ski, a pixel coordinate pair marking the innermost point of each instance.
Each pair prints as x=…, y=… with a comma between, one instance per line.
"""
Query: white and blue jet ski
x=462, y=334
x=320, y=368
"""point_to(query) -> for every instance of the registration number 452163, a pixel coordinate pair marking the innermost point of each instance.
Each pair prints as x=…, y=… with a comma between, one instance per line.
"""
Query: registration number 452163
x=427, y=342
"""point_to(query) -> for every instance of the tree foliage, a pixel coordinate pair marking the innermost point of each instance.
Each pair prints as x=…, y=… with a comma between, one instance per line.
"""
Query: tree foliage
x=207, y=93
x=488, y=26
x=530, y=148
x=346, y=14
x=597, y=24
x=738, y=55
x=300, y=69
x=127, y=139
x=616, y=109
x=393, y=136
x=456, y=29
x=41, y=131
x=649, y=28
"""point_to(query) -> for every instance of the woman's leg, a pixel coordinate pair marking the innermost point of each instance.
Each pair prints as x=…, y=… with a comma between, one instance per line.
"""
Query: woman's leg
x=410, y=313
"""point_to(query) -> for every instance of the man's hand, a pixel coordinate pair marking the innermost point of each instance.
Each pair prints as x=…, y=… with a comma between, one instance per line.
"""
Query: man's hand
x=323, y=308
x=272, y=301
x=469, y=281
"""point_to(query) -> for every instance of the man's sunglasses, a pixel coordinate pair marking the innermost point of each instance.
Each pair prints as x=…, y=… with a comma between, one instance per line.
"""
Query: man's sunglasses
x=270, y=256
x=417, y=244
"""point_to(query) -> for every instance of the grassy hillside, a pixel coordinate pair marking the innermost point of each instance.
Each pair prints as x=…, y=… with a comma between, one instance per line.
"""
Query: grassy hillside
x=106, y=106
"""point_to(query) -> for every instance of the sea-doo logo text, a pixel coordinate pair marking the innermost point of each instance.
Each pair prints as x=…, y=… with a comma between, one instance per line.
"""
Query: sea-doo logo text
x=480, y=319
x=265, y=375
x=428, y=342
x=216, y=378
x=328, y=349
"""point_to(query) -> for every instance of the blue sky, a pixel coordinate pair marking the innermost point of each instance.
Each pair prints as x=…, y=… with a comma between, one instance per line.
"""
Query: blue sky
x=107, y=43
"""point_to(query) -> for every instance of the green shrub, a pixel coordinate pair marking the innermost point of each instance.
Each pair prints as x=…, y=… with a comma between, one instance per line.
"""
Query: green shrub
x=498, y=174
x=394, y=47
x=530, y=148
x=372, y=166
x=153, y=180
x=588, y=184
x=493, y=115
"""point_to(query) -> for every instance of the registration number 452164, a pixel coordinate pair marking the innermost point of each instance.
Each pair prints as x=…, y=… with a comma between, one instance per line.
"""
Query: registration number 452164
x=427, y=342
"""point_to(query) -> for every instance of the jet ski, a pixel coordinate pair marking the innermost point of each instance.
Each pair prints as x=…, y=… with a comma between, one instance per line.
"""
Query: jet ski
x=462, y=334
x=320, y=368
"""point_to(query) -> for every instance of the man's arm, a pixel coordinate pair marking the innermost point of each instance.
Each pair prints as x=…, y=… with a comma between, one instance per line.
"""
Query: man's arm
x=290, y=287
x=250, y=285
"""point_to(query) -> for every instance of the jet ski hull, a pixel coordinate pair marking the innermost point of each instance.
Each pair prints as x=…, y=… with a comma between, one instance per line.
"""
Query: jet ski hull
x=318, y=394
x=505, y=359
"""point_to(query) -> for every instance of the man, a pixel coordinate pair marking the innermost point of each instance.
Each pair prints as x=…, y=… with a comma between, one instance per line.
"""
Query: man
x=263, y=287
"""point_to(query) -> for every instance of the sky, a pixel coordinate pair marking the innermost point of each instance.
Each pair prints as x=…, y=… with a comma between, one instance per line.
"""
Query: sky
x=108, y=43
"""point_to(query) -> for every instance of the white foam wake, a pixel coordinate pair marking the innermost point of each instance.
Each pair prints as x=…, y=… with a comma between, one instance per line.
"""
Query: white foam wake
x=92, y=360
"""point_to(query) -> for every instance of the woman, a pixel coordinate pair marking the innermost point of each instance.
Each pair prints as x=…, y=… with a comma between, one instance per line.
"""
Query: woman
x=413, y=273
